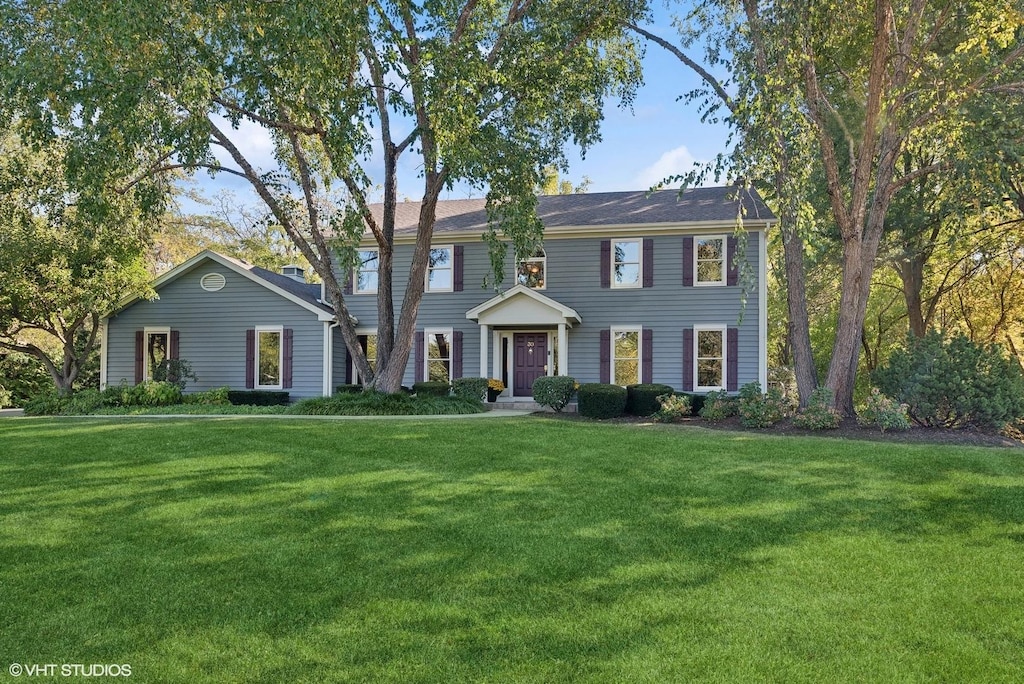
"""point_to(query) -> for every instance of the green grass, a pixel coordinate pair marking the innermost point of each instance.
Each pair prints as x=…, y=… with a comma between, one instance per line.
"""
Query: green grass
x=505, y=550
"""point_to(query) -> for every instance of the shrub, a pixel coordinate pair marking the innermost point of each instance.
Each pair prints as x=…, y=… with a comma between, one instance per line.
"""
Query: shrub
x=5, y=397
x=218, y=396
x=642, y=400
x=884, y=412
x=718, y=405
x=470, y=388
x=149, y=393
x=372, y=403
x=597, y=400
x=554, y=391
x=819, y=414
x=83, y=402
x=348, y=389
x=431, y=388
x=696, y=402
x=672, y=408
x=175, y=371
x=258, y=397
x=760, y=410
x=953, y=383
x=46, y=404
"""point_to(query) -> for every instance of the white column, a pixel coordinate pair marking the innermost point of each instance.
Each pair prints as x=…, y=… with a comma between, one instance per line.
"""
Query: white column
x=563, y=350
x=483, y=351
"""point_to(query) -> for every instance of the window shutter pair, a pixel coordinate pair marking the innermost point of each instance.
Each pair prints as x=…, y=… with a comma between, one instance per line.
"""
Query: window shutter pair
x=646, y=355
x=287, y=352
x=647, y=258
x=140, y=353
x=732, y=361
x=731, y=271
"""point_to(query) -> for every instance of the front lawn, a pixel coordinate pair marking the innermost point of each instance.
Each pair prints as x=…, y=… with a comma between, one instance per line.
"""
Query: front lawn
x=528, y=549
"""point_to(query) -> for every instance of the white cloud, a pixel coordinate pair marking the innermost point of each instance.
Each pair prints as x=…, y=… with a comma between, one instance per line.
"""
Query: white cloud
x=252, y=139
x=673, y=162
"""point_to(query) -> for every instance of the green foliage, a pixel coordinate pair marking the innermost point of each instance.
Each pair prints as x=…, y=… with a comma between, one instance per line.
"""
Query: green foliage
x=884, y=412
x=597, y=400
x=23, y=376
x=470, y=388
x=673, y=408
x=218, y=396
x=759, y=410
x=177, y=371
x=371, y=403
x=149, y=393
x=819, y=413
x=642, y=399
x=258, y=397
x=718, y=405
x=953, y=383
x=5, y=397
x=431, y=388
x=46, y=404
x=554, y=391
x=348, y=389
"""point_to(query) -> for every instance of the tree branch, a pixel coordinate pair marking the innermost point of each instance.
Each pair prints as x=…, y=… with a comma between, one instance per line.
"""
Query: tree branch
x=701, y=71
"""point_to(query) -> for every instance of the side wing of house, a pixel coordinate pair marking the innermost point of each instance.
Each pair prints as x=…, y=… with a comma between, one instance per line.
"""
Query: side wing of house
x=231, y=330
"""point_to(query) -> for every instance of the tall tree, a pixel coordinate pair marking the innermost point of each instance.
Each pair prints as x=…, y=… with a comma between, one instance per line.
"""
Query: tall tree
x=484, y=92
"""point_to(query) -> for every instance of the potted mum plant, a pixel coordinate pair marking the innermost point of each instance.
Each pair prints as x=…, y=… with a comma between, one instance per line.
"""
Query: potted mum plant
x=494, y=388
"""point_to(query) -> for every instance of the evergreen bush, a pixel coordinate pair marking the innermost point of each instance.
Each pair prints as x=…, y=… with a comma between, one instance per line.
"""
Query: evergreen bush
x=597, y=400
x=470, y=388
x=348, y=389
x=642, y=399
x=258, y=398
x=554, y=391
x=431, y=388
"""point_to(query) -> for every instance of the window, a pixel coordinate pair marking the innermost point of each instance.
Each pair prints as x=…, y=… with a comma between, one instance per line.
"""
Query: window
x=626, y=269
x=366, y=271
x=710, y=358
x=625, y=356
x=441, y=270
x=709, y=260
x=532, y=270
x=368, y=341
x=438, y=356
x=158, y=350
x=268, y=358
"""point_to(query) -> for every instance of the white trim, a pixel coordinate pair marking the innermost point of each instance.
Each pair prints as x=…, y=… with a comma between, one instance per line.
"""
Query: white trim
x=360, y=332
x=328, y=356
x=568, y=314
x=427, y=332
x=279, y=329
x=450, y=268
x=639, y=265
x=355, y=274
x=724, y=330
x=496, y=337
x=725, y=261
x=217, y=282
x=147, y=372
x=104, y=330
x=563, y=350
x=511, y=356
x=615, y=329
x=483, y=351
x=762, y=308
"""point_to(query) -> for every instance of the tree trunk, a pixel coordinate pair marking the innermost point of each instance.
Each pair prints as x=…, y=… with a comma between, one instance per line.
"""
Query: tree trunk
x=799, y=321
x=911, y=272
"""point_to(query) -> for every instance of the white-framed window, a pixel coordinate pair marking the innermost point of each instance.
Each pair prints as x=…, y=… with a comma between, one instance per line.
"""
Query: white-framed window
x=269, y=356
x=368, y=265
x=157, y=349
x=709, y=358
x=709, y=260
x=441, y=269
x=625, y=356
x=627, y=263
x=532, y=270
x=437, y=356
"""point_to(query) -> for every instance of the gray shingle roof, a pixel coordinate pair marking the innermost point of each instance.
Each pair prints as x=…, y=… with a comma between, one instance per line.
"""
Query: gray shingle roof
x=308, y=292
x=598, y=209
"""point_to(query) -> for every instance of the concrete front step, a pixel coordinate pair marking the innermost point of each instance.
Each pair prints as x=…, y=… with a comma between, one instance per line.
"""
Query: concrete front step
x=526, y=405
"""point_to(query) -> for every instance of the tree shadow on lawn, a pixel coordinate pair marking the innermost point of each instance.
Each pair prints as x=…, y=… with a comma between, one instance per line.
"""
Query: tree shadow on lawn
x=424, y=552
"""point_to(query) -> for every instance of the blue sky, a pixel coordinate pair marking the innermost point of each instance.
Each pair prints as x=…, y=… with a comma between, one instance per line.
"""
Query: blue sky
x=659, y=135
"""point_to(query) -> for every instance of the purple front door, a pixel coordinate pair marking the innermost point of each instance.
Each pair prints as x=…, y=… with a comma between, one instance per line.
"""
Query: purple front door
x=529, y=361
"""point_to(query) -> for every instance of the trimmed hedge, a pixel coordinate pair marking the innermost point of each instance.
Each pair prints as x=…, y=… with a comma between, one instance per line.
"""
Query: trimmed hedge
x=348, y=389
x=258, y=398
x=554, y=391
x=597, y=400
x=431, y=388
x=642, y=399
x=470, y=388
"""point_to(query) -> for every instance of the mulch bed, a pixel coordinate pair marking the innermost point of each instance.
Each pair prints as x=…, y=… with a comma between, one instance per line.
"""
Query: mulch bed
x=848, y=429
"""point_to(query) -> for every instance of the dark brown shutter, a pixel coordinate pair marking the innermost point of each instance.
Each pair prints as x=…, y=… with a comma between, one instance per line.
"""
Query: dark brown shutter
x=418, y=358
x=732, y=274
x=732, y=359
x=140, y=356
x=648, y=262
x=250, y=358
x=172, y=352
x=286, y=370
x=606, y=358
x=688, y=359
x=606, y=263
x=687, y=261
x=348, y=366
x=347, y=287
x=457, y=268
x=456, y=354
x=647, y=355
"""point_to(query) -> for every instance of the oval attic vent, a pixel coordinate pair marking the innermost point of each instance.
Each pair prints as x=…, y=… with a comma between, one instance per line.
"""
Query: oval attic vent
x=211, y=282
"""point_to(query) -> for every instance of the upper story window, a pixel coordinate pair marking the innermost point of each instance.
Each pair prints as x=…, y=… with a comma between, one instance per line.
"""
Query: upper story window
x=532, y=271
x=441, y=269
x=367, y=269
x=626, y=263
x=709, y=260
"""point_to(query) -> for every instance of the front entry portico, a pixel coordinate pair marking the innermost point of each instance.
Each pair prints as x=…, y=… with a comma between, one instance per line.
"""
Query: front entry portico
x=520, y=325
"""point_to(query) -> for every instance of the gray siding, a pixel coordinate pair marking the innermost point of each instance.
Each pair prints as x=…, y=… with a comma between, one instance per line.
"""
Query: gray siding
x=573, y=278
x=212, y=329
